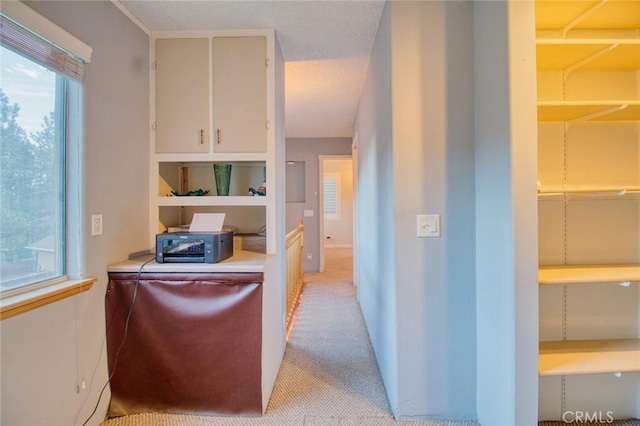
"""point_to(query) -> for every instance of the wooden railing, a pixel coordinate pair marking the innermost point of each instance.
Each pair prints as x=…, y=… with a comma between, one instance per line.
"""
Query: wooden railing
x=295, y=271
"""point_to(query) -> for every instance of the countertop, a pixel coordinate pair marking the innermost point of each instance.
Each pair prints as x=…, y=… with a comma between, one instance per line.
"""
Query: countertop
x=241, y=261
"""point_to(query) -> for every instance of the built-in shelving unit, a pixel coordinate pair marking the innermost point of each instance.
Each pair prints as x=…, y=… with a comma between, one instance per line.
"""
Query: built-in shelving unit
x=196, y=126
x=588, y=61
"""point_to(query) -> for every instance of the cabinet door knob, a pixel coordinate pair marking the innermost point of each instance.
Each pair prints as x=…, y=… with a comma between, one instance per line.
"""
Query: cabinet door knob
x=201, y=136
x=218, y=135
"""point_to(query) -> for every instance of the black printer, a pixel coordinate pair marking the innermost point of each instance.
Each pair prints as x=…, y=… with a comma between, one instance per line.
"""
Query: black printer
x=194, y=247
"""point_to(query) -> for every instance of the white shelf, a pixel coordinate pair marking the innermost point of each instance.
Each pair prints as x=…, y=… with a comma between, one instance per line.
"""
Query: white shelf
x=604, y=54
x=588, y=190
x=611, y=15
x=211, y=201
x=618, y=110
x=588, y=274
x=571, y=357
x=210, y=158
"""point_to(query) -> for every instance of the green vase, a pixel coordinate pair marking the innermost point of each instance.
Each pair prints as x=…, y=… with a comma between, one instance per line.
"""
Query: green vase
x=222, y=173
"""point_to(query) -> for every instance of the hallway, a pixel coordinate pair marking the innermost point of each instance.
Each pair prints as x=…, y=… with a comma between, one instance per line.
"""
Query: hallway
x=329, y=374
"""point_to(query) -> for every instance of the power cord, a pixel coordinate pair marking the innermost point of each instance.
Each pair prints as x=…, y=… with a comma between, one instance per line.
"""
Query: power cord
x=124, y=338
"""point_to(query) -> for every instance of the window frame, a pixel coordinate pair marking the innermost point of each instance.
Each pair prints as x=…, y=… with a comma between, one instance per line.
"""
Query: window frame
x=70, y=126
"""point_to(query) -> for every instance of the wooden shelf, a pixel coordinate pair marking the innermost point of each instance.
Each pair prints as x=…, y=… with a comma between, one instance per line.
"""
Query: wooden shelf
x=571, y=357
x=576, y=110
x=611, y=54
x=211, y=201
x=588, y=274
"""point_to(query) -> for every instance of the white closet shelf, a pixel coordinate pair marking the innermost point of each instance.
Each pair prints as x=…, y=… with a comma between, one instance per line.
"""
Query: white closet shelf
x=611, y=14
x=603, y=54
x=588, y=274
x=622, y=110
x=211, y=201
x=588, y=190
x=571, y=357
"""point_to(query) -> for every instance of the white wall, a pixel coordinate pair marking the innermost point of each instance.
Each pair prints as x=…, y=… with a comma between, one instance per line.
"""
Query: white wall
x=340, y=230
x=432, y=87
x=506, y=213
x=415, y=156
x=376, y=243
x=308, y=151
x=47, y=352
x=274, y=292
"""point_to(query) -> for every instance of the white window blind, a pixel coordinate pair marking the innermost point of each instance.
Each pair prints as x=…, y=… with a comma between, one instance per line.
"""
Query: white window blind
x=331, y=196
x=28, y=33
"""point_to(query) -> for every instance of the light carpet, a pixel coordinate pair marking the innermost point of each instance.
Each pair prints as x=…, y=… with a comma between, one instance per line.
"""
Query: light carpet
x=329, y=375
x=628, y=422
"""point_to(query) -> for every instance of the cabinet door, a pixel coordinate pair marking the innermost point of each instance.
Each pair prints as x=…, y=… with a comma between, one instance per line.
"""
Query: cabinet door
x=240, y=94
x=182, y=95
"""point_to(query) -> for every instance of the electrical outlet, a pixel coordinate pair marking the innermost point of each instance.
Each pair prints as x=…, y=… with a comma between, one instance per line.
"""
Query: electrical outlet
x=309, y=256
x=96, y=225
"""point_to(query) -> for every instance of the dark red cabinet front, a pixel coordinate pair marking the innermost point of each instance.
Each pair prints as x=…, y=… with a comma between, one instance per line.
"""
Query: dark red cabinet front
x=185, y=343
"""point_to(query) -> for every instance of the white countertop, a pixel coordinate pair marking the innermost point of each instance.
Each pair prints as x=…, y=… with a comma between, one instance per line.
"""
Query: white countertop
x=241, y=261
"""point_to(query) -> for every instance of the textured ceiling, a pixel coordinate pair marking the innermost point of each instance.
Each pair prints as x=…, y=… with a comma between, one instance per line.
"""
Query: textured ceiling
x=326, y=46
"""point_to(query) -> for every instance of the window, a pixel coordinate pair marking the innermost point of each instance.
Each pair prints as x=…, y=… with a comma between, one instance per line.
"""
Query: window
x=39, y=133
x=331, y=196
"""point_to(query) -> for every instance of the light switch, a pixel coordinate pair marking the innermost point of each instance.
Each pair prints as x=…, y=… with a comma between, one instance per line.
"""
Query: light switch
x=428, y=225
x=308, y=213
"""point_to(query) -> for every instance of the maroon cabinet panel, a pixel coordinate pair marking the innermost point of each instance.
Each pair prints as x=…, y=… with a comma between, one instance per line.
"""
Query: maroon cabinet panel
x=185, y=343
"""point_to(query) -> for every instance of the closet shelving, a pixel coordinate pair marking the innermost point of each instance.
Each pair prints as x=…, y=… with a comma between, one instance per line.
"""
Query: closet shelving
x=588, y=61
x=571, y=357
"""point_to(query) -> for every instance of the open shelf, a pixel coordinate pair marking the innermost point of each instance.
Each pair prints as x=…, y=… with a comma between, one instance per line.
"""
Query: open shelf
x=570, y=357
x=588, y=274
x=211, y=158
x=211, y=201
x=618, y=110
x=588, y=190
x=609, y=54
x=610, y=14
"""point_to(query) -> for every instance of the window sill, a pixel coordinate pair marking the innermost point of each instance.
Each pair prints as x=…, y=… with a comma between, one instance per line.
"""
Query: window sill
x=15, y=305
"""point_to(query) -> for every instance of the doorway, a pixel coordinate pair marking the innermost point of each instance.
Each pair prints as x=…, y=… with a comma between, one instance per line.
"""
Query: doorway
x=336, y=212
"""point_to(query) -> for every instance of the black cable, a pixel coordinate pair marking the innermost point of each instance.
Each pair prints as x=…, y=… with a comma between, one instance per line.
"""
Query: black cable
x=124, y=338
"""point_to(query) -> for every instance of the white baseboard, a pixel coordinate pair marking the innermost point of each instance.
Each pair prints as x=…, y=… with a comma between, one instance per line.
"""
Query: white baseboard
x=331, y=246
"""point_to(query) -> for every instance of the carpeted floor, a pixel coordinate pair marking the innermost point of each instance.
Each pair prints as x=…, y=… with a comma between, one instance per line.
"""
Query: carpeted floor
x=629, y=422
x=328, y=376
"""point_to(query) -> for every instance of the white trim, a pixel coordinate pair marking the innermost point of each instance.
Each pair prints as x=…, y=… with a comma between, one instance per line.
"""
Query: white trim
x=37, y=23
x=338, y=246
x=131, y=16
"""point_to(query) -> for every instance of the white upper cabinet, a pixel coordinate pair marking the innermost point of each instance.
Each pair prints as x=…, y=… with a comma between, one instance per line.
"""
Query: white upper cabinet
x=240, y=94
x=182, y=95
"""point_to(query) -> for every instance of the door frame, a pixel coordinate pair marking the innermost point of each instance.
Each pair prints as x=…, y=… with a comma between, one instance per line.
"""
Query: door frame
x=321, y=160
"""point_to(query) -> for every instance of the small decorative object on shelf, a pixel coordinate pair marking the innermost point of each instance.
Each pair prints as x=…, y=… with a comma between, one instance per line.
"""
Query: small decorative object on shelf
x=262, y=190
x=222, y=173
x=197, y=192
